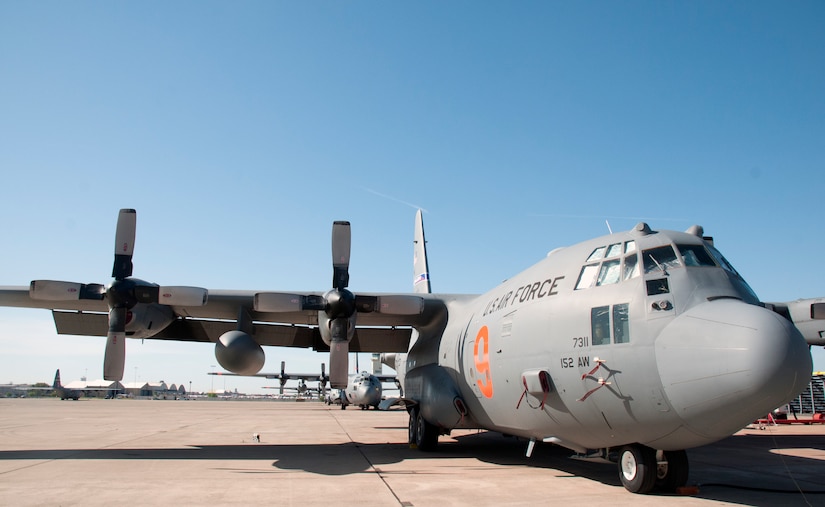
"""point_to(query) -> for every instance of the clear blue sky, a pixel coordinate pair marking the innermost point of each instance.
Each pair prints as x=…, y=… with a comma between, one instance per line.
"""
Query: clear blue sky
x=241, y=130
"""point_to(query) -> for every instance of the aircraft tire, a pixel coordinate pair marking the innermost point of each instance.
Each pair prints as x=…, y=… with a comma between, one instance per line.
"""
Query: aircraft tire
x=426, y=435
x=637, y=468
x=411, y=425
x=672, y=471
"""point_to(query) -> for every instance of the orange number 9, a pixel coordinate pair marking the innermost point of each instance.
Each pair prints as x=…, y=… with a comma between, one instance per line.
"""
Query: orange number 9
x=485, y=384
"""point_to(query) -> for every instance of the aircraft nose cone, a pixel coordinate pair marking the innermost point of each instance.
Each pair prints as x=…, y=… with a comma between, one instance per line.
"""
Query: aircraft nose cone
x=725, y=363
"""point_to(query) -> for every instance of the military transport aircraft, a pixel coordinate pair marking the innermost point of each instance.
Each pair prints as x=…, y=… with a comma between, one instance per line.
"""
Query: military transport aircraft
x=283, y=377
x=57, y=387
x=635, y=345
x=363, y=389
x=63, y=392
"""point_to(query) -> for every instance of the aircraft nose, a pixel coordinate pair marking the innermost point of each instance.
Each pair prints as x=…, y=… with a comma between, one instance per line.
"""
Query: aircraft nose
x=725, y=363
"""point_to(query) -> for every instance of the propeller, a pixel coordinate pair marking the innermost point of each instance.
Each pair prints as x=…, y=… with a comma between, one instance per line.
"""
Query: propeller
x=338, y=307
x=123, y=293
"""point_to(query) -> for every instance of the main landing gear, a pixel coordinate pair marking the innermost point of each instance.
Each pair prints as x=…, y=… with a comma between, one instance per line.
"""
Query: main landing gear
x=641, y=469
x=421, y=433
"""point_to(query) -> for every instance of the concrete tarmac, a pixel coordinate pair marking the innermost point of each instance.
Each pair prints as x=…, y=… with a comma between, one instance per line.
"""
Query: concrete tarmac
x=145, y=452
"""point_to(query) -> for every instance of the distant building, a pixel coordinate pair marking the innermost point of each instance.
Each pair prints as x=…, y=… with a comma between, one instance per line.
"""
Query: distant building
x=154, y=390
x=96, y=388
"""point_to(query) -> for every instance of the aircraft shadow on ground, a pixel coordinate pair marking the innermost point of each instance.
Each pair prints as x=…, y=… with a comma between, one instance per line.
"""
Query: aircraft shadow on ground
x=342, y=459
x=762, y=476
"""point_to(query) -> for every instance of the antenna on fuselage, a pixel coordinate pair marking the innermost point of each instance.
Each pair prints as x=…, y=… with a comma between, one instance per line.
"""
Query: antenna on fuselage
x=608, y=226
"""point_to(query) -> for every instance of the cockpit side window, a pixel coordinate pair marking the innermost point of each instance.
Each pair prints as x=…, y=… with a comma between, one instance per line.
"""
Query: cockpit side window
x=602, y=320
x=660, y=258
x=600, y=325
x=695, y=255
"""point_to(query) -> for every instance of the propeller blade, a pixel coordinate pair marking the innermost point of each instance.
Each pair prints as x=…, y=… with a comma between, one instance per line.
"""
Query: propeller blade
x=114, y=358
x=341, y=241
x=338, y=364
x=124, y=243
x=53, y=290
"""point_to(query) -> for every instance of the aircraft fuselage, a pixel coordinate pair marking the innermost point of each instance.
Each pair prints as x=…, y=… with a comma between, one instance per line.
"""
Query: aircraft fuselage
x=638, y=337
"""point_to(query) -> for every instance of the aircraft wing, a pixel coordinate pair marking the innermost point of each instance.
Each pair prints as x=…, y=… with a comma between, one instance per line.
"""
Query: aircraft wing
x=273, y=376
x=238, y=322
x=228, y=310
x=808, y=315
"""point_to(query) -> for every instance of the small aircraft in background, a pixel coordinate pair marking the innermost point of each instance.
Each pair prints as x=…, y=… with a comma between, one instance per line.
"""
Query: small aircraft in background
x=363, y=389
x=60, y=390
x=282, y=377
x=632, y=346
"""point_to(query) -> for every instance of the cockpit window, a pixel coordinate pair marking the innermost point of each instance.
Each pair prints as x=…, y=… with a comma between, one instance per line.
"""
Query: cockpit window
x=631, y=267
x=612, y=268
x=613, y=250
x=660, y=258
x=722, y=261
x=695, y=255
x=610, y=272
x=727, y=267
x=598, y=254
x=587, y=276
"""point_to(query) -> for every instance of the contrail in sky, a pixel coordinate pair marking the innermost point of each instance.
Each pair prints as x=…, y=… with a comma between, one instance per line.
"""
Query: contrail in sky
x=391, y=198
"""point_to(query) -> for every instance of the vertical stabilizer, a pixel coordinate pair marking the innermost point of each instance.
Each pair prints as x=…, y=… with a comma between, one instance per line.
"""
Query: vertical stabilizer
x=421, y=280
x=56, y=384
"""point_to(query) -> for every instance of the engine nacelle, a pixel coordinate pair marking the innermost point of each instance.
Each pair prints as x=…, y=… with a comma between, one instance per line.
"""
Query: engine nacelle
x=239, y=353
x=148, y=320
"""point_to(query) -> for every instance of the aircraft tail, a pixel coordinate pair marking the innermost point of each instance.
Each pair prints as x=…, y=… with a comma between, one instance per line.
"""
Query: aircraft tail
x=56, y=384
x=421, y=285
x=421, y=279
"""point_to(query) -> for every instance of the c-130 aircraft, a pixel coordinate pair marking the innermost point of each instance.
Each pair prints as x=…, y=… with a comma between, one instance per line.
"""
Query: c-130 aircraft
x=634, y=346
